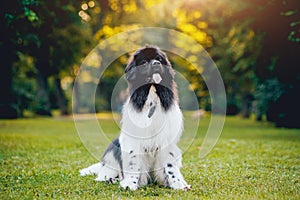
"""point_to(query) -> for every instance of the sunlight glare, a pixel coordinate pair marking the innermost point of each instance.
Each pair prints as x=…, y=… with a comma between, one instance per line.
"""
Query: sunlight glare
x=84, y=6
x=91, y=4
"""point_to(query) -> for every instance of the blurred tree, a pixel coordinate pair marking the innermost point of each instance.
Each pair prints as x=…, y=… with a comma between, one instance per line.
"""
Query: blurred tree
x=64, y=39
x=266, y=94
x=53, y=34
x=279, y=58
x=234, y=45
x=235, y=51
x=119, y=16
x=12, y=36
x=253, y=55
x=270, y=54
x=24, y=84
x=235, y=48
x=189, y=20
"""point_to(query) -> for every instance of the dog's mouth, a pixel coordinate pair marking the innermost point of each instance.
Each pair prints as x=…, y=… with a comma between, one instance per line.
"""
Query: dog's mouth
x=154, y=78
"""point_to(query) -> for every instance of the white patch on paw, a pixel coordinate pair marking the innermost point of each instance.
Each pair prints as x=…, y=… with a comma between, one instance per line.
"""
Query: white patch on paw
x=187, y=187
x=180, y=185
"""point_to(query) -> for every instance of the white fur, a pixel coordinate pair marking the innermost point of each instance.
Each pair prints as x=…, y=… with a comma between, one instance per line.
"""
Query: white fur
x=105, y=170
x=160, y=130
x=148, y=147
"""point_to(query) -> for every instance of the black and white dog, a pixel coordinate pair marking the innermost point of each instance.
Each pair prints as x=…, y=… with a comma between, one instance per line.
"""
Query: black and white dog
x=151, y=126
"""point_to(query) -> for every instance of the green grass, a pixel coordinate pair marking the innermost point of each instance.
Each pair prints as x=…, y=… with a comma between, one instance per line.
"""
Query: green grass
x=40, y=158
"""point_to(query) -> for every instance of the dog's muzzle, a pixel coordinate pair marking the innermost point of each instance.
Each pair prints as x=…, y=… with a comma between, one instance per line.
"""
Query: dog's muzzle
x=154, y=71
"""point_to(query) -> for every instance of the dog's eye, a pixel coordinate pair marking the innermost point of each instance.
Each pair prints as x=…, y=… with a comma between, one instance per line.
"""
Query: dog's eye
x=143, y=62
x=159, y=58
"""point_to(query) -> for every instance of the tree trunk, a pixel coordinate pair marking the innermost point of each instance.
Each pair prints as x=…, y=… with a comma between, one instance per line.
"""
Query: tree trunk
x=8, y=104
x=76, y=98
x=246, y=105
x=259, y=117
x=61, y=99
x=43, y=106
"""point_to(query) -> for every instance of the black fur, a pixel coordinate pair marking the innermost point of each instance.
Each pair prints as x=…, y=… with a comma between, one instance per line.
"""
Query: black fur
x=139, y=96
x=137, y=71
x=166, y=96
x=116, y=149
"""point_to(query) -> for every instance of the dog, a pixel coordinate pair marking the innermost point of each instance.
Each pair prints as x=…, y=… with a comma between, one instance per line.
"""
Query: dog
x=146, y=150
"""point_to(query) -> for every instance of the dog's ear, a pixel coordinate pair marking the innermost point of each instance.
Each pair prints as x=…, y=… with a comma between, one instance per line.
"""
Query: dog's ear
x=130, y=70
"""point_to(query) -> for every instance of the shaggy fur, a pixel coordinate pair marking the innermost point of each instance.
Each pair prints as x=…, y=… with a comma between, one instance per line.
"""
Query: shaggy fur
x=152, y=123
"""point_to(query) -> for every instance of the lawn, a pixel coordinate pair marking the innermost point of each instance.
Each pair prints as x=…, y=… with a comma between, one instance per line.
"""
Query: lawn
x=41, y=157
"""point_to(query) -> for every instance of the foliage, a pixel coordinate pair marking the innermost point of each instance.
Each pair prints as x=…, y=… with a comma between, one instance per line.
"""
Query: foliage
x=235, y=52
x=247, y=48
x=279, y=57
x=266, y=93
x=53, y=35
x=24, y=84
x=233, y=45
x=40, y=158
x=290, y=11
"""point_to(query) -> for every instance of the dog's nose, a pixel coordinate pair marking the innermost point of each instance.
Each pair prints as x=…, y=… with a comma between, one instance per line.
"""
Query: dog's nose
x=155, y=62
x=155, y=66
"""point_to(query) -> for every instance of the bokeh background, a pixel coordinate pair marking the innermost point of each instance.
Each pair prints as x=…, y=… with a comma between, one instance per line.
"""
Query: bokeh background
x=254, y=43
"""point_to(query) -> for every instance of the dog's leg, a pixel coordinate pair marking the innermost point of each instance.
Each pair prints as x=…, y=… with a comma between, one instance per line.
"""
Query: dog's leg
x=109, y=169
x=167, y=168
x=109, y=174
x=131, y=170
x=104, y=171
x=174, y=178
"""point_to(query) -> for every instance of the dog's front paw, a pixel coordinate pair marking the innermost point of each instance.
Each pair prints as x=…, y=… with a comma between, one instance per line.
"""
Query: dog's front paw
x=128, y=183
x=92, y=170
x=85, y=172
x=180, y=185
x=187, y=187
x=112, y=180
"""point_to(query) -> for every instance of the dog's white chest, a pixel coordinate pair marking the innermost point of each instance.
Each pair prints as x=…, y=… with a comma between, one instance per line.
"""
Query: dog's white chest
x=153, y=126
x=145, y=120
x=152, y=95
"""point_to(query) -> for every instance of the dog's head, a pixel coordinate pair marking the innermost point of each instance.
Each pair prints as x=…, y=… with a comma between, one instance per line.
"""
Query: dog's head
x=146, y=67
x=149, y=65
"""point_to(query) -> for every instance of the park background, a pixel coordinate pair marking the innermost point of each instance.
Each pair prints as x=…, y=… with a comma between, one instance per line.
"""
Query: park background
x=255, y=45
